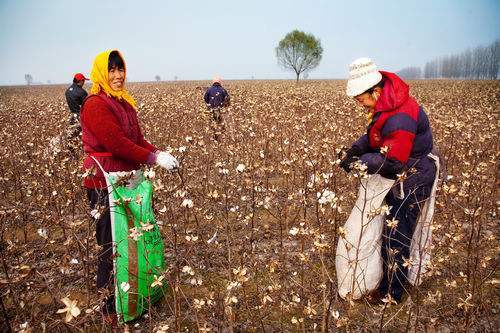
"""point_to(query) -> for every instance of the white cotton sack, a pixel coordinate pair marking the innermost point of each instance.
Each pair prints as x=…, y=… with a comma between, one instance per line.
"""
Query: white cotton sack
x=421, y=242
x=358, y=259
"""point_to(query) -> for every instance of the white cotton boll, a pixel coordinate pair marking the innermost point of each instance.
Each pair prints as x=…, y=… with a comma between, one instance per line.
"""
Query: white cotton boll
x=240, y=167
x=188, y=203
x=149, y=174
x=125, y=286
x=212, y=238
x=42, y=232
x=95, y=214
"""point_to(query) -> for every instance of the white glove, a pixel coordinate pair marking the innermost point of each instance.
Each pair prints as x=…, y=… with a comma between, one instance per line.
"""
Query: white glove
x=167, y=161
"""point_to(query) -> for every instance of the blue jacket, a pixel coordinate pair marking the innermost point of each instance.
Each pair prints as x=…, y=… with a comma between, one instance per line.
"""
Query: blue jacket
x=216, y=96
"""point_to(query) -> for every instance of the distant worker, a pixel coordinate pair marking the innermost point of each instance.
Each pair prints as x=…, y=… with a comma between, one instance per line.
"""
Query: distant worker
x=75, y=95
x=216, y=97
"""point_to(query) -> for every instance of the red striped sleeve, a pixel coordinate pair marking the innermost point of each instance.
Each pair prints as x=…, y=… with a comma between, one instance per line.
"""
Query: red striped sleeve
x=400, y=144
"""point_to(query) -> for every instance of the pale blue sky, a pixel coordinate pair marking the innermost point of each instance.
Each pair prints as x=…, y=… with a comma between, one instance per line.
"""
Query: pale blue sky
x=235, y=39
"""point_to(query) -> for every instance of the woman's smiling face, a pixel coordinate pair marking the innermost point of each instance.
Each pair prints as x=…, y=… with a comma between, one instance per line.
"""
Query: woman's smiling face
x=116, y=78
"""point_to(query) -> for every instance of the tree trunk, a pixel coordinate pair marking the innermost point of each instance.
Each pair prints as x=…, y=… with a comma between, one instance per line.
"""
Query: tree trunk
x=298, y=74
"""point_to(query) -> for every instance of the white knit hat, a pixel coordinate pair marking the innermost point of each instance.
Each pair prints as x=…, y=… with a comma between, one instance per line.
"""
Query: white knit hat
x=363, y=75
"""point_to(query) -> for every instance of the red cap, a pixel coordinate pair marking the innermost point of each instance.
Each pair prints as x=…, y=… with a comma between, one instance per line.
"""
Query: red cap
x=80, y=77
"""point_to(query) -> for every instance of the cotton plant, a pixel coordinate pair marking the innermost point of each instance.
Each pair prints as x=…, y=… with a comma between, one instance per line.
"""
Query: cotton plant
x=71, y=310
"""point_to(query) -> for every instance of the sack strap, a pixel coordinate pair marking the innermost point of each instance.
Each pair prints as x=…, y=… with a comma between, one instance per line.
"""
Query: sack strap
x=100, y=167
x=100, y=154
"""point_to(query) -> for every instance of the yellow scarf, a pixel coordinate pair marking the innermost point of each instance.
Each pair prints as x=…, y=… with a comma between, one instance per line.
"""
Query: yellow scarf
x=99, y=77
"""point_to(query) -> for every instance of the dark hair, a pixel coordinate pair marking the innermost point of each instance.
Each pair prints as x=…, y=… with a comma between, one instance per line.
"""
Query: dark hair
x=115, y=61
x=378, y=85
x=75, y=80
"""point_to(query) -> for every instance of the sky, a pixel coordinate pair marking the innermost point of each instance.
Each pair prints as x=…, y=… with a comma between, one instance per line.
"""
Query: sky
x=195, y=40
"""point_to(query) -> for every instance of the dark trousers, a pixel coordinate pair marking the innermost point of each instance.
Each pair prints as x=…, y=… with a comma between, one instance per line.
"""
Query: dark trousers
x=74, y=129
x=217, y=115
x=98, y=199
x=396, y=240
x=217, y=122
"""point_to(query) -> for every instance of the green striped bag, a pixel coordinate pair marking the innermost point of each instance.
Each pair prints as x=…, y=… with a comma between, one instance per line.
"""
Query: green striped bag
x=138, y=249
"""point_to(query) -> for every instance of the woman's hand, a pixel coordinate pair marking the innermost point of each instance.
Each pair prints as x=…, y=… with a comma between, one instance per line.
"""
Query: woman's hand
x=167, y=161
x=347, y=162
x=348, y=157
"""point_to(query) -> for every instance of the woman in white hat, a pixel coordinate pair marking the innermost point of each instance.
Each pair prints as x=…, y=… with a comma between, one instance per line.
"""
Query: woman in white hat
x=397, y=141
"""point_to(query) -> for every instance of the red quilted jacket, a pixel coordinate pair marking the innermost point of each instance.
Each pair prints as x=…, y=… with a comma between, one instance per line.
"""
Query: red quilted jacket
x=111, y=134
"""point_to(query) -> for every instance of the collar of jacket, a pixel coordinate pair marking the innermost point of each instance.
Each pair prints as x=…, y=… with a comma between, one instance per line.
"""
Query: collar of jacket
x=394, y=94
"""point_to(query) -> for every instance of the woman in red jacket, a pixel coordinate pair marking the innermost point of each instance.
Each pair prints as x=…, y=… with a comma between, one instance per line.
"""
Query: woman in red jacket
x=111, y=134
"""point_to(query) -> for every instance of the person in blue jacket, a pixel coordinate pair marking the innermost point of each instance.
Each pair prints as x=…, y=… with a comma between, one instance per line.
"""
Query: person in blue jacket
x=216, y=98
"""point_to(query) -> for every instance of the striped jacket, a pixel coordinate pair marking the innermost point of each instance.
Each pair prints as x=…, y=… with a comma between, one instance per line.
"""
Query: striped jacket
x=400, y=126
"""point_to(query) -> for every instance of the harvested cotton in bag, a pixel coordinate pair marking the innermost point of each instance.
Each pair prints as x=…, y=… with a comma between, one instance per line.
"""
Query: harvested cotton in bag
x=138, y=249
x=358, y=260
x=139, y=254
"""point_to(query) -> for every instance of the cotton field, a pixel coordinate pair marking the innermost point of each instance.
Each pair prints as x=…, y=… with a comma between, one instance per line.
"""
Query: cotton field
x=251, y=221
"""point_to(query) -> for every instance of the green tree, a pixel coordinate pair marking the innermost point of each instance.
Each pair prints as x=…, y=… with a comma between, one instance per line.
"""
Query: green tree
x=299, y=52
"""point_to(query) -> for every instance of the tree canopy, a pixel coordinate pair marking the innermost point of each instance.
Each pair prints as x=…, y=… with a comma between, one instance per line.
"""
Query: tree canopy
x=299, y=51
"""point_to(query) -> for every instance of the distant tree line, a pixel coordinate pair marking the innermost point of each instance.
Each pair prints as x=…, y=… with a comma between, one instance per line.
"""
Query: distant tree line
x=482, y=62
x=28, y=78
x=410, y=73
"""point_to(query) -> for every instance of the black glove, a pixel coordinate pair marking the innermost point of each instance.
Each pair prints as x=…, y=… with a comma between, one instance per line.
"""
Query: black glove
x=347, y=161
x=353, y=151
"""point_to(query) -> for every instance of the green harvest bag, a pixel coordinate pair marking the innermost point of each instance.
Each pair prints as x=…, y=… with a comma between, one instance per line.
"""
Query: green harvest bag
x=138, y=248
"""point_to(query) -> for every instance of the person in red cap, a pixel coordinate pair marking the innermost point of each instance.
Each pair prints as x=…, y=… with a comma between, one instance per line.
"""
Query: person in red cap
x=75, y=95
